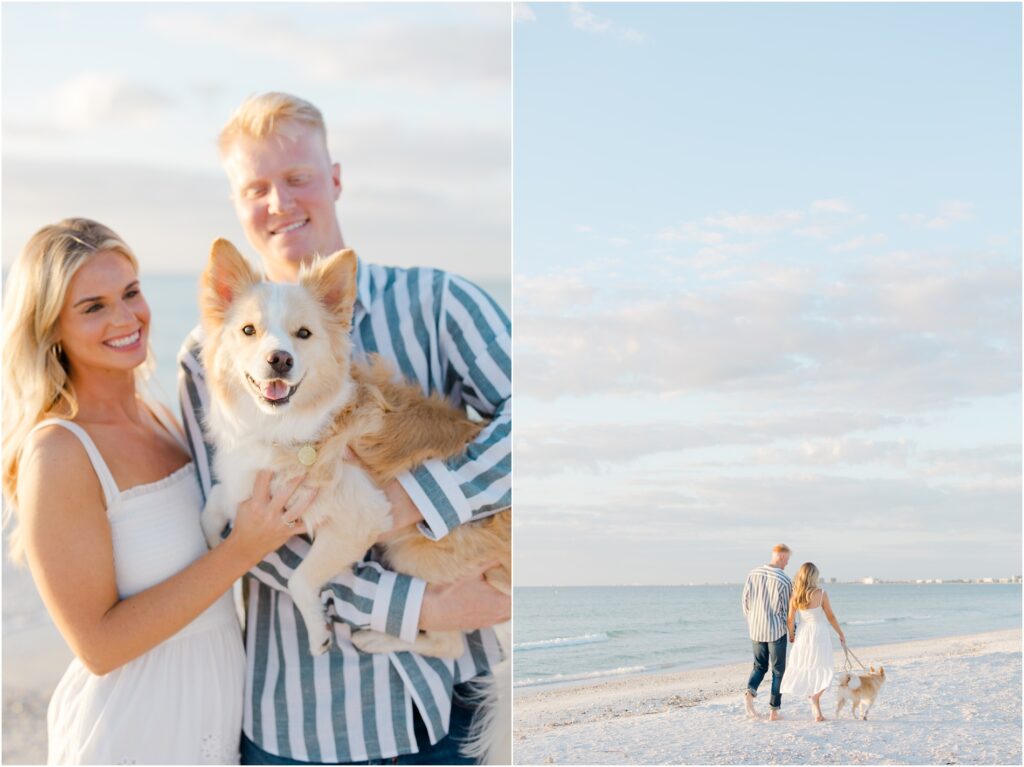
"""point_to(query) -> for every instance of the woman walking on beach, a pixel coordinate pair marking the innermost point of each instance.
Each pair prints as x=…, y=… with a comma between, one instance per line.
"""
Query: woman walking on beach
x=809, y=667
x=108, y=516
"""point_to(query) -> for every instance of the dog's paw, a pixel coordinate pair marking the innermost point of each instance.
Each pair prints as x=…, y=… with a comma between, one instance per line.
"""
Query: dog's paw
x=213, y=538
x=441, y=644
x=320, y=641
x=377, y=642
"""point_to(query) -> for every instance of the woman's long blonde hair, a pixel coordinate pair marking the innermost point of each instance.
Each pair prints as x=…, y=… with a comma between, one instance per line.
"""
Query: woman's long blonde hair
x=805, y=584
x=35, y=369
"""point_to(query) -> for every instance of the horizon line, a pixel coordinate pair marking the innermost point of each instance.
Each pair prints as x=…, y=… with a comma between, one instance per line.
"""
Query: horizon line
x=1007, y=580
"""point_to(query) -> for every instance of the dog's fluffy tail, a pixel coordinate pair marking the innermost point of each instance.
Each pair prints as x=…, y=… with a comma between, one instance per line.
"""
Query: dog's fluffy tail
x=848, y=679
x=490, y=736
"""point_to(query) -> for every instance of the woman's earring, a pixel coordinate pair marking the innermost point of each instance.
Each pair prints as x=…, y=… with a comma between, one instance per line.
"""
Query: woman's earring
x=58, y=350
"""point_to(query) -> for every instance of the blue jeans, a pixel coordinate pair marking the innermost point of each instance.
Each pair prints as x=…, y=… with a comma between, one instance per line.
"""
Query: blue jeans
x=445, y=751
x=776, y=652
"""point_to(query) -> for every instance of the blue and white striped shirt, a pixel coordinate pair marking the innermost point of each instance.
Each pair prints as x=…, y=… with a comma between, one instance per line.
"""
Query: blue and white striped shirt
x=766, y=602
x=449, y=336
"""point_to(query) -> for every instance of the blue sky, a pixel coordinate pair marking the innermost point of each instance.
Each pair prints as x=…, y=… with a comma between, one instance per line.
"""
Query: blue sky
x=111, y=110
x=767, y=288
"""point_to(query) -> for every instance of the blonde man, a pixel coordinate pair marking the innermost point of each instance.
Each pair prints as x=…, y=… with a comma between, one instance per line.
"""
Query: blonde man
x=448, y=335
x=766, y=594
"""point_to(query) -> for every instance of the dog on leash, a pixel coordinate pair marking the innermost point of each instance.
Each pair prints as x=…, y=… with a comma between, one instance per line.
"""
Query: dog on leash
x=860, y=690
x=286, y=396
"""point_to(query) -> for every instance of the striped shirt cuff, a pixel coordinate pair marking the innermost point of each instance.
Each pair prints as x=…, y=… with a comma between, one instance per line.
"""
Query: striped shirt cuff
x=437, y=493
x=397, y=604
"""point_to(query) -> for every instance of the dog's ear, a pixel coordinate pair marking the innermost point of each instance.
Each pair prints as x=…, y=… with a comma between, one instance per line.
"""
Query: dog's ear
x=881, y=671
x=226, y=276
x=333, y=281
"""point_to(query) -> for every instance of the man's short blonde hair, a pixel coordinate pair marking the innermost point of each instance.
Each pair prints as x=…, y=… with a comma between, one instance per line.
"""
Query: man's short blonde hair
x=270, y=114
x=780, y=548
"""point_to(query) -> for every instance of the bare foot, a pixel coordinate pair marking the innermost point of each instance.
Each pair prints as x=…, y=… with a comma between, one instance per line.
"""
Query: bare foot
x=748, y=704
x=775, y=715
x=819, y=718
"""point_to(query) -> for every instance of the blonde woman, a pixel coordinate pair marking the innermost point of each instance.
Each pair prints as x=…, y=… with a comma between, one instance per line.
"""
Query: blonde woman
x=809, y=667
x=107, y=514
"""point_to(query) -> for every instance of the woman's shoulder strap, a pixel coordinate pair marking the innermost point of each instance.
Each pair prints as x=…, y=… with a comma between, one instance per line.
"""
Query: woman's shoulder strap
x=110, y=490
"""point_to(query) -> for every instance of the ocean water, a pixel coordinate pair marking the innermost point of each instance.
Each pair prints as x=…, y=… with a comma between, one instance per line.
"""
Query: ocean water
x=579, y=634
x=173, y=302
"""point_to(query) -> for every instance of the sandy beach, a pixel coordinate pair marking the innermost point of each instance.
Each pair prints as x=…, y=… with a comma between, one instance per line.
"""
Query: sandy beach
x=955, y=700
x=34, y=659
x=947, y=701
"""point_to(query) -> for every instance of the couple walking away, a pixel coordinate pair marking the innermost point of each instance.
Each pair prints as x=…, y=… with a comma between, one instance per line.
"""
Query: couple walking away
x=771, y=604
x=106, y=489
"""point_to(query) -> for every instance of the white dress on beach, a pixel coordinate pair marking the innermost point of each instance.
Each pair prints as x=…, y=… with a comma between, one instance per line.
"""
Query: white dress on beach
x=180, y=702
x=809, y=665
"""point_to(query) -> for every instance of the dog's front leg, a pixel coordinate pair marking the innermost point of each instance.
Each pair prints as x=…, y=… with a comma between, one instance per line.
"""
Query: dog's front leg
x=330, y=554
x=215, y=516
x=435, y=644
x=356, y=513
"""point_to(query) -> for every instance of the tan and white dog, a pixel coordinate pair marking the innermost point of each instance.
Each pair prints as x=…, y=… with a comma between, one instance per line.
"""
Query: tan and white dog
x=287, y=397
x=860, y=690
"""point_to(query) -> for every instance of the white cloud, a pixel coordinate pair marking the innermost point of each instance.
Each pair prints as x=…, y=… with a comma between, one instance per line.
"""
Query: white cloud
x=396, y=223
x=858, y=242
x=830, y=206
x=712, y=256
x=949, y=213
x=589, y=22
x=584, y=19
x=380, y=54
x=837, y=451
x=455, y=160
x=897, y=527
x=690, y=231
x=898, y=330
x=990, y=461
x=827, y=437
x=95, y=99
x=827, y=219
x=558, y=292
x=523, y=12
x=745, y=223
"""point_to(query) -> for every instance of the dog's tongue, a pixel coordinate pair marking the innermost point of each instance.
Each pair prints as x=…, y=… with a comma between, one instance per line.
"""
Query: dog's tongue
x=276, y=389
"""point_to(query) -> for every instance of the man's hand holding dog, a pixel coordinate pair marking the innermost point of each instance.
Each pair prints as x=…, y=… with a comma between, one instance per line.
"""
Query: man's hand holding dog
x=465, y=605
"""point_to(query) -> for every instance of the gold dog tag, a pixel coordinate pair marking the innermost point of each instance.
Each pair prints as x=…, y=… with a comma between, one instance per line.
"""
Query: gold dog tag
x=307, y=455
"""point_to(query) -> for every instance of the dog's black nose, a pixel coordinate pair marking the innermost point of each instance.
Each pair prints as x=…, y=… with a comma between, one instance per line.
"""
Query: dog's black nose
x=280, y=362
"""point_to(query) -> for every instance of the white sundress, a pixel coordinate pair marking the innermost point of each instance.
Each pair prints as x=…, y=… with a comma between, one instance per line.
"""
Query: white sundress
x=809, y=665
x=180, y=702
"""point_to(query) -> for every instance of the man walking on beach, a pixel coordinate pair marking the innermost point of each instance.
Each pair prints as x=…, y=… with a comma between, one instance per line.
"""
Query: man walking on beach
x=765, y=606
x=443, y=333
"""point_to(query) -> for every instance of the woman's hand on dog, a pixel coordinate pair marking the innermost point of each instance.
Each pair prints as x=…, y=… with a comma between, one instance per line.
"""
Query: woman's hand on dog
x=265, y=522
x=465, y=605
